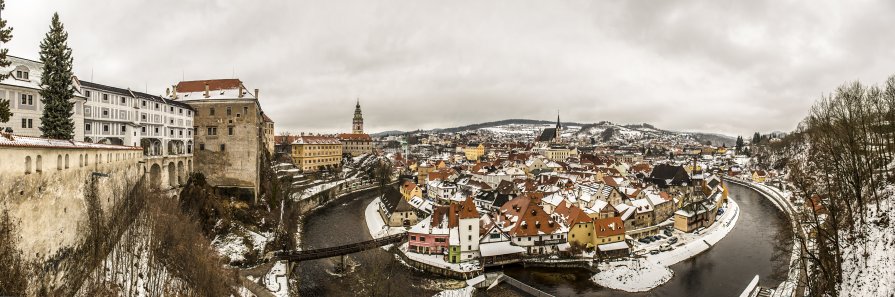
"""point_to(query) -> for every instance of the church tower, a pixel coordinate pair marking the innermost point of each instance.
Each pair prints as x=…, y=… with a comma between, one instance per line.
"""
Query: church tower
x=558, y=136
x=358, y=120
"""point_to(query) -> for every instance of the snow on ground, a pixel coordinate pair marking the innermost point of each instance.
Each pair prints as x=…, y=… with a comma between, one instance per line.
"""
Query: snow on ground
x=438, y=261
x=276, y=282
x=636, y=275
x=462, y=292
x=304, y=194
x=868, y=270
x=644, y=274
x=700, y=243
x=375, y=225
x=231, y=247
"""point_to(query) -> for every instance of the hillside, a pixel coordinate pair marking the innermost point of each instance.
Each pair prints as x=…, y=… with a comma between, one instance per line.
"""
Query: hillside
x=601, y=132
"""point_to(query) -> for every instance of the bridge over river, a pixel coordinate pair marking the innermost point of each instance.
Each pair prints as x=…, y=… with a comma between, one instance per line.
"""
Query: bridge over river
x=341, y=250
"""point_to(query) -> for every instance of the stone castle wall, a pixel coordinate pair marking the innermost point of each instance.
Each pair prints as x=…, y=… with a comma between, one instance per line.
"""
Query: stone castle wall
x=47, y=197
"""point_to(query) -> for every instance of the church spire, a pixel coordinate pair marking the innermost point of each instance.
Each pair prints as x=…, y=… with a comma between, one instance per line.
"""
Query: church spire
x=558, y=125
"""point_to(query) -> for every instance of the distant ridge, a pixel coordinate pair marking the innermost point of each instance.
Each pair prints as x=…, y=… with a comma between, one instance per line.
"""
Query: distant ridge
x=715, y=138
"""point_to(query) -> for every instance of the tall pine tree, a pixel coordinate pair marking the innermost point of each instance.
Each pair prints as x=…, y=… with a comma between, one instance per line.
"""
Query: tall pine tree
x=56, y=83
x=5, y=36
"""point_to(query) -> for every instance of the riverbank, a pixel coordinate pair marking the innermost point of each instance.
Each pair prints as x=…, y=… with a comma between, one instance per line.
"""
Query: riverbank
x=376, y=225
x=650, y=271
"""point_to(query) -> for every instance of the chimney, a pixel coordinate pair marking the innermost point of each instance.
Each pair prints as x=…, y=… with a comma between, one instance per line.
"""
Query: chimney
x=167, y=92
x=206, y=91
x=239, y=95
x=256, y=94
x=174, y=92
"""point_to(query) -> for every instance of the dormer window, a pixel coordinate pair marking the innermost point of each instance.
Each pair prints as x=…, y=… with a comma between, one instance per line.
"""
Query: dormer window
x=22, y=73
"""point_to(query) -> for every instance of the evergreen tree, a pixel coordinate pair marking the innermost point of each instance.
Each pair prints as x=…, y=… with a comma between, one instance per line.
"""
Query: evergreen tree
x=756, y=138
x=56, y=83
x=5, y=36
x=739, y=144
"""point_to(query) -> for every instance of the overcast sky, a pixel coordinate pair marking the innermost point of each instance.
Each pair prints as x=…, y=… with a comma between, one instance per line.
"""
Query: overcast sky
x=715, y=66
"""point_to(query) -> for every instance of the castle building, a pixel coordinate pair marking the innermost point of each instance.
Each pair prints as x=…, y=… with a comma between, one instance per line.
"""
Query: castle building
x=357, y=142
x=22, y=89
x=229, y=138
x=313, y=153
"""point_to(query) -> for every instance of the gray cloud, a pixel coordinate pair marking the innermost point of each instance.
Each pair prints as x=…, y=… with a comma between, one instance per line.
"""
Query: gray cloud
x=718, y=66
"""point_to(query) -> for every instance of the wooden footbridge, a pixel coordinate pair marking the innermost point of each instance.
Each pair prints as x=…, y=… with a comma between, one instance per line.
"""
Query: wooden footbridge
x=307, y=255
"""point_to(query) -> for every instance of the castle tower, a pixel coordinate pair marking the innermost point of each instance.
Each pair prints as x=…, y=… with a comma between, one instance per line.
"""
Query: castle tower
x=358, y=120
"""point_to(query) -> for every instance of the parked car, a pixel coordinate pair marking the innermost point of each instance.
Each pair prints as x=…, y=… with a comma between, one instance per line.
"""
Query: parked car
x=665, y=247
x=672, y=240
x=643, y=240
x=654, y=252
x=667, y=232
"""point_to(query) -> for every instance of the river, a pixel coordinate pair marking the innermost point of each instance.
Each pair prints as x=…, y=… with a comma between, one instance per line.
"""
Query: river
x=752, y=248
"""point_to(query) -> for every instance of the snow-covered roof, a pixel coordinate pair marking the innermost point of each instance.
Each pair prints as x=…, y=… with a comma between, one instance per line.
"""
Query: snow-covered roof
x=10, y=140
x=499, y=248
x=612, y=246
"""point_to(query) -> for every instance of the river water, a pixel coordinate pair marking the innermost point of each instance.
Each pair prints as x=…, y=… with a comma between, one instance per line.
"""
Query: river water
x=752, y=248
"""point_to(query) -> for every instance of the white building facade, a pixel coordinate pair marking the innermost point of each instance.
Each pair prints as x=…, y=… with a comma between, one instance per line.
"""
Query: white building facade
x=22, y=88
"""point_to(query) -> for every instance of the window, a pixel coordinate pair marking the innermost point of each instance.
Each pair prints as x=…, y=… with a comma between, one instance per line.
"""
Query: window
x=412, y=237
x=171, y=109
x=30, y=123
x=19, y=74
x=201, y=146
x=123, y=100
x=211, y=111
x=180, y=110
x=87, y=127
x=105, y=112
x=223, y=147
x=212, y=131
x=229, y=111
x=156, y=130
x=87, y=93
x=24, y=123
x=105, y=128
x=105, y=97
x=143, y=102
x=156, y=106
x=25, y=99
x=230, y=130
x=245, y=110
x=143, y=129
x=123, y=128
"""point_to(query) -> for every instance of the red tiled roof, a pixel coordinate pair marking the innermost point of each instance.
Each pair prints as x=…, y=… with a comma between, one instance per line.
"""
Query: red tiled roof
x=352, y=136
x=213, y=84
x=468, y=210
x=611, y=226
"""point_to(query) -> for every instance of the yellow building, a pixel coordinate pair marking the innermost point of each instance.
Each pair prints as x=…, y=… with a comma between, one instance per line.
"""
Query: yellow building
x=315, y=153
x=409, y=190
x=474, y=152
x=356, y=144
x=759, y=176
x=558, y=152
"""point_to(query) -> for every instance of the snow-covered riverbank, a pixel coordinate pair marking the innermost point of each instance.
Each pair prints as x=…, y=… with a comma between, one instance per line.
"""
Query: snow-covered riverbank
x=375, y=225
x=644, y=274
